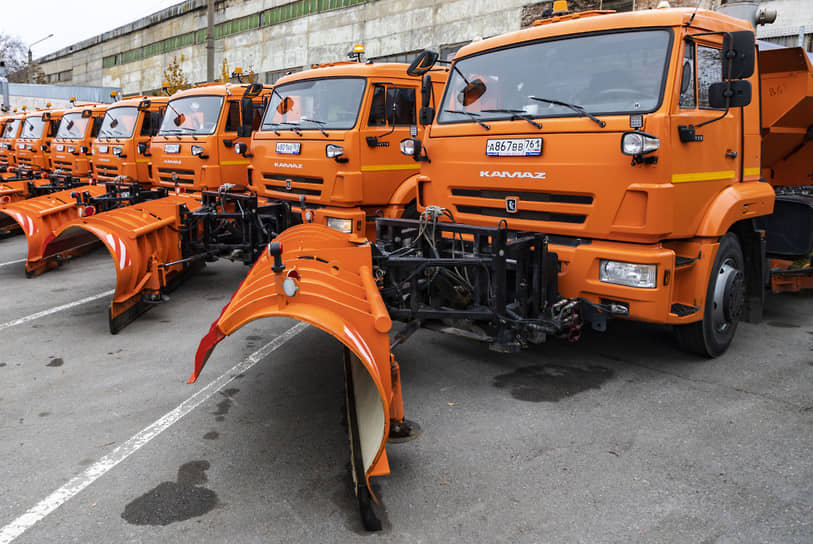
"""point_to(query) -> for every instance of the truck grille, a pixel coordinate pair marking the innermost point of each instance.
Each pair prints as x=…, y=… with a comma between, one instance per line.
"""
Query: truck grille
x=493, y=204
x=300, y=185
x=66, y=166
x=106, y=172
x=184, y=176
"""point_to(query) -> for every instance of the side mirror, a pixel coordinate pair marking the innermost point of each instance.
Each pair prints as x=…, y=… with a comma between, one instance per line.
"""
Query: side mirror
x=686, y=78
x=426, y=90
x=738, y=51
x=253, y=90
x=426, y=115
x=285, y=105
x=179, y=119
x=144, y=105
x=730, y=94
x=424, y=62
x=472, y=92
x=86, y=114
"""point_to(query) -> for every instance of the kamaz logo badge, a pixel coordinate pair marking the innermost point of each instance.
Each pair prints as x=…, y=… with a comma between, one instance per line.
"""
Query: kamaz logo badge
x=287, y=184
x=505, y=174
x=511, y=203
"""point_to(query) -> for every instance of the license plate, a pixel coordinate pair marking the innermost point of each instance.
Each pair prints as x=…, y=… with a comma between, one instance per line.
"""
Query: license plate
x=60, y=147
x=172, y=148
x=102, y=149
x=514, y=147
x=288, y=148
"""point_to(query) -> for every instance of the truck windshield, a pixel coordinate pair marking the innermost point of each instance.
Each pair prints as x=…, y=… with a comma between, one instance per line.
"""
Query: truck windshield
x=328, y=103
x=609, y=74
x=32, y=127
x=192, y=115
x=72, y=126
x=119, y=122
x=11, y=128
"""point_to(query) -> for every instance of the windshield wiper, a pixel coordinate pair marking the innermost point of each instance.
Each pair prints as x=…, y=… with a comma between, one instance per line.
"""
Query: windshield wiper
x=293, y=127
x=574, y=107
x=517, y=114
x=473, y=115
x=320, y=123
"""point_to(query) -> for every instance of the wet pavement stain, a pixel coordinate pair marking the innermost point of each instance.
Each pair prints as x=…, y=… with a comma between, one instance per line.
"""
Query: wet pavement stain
x=211, y=435
x=57, y=361
x=783, y=325
x=2, y=364
x=225, y=405
x=44, y=414
x=174, y=501
x=551, y=383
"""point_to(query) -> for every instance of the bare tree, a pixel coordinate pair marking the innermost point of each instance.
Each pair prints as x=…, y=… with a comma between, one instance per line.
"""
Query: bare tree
x=15, y=54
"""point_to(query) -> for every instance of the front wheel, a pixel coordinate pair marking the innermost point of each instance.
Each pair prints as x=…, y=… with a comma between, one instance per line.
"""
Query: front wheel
x=725, y=303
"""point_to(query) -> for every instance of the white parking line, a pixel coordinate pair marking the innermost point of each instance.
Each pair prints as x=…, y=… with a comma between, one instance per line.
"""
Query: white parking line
x=54, y=310
x=18, y=261
x=62, y=495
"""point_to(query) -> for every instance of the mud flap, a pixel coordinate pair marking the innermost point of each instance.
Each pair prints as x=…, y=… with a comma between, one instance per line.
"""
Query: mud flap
x=323, y=279
x=39, y=218
x=143, y=240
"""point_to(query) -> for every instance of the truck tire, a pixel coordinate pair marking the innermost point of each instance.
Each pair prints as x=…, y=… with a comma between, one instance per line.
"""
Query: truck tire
x=411, y=211
x=725, y=303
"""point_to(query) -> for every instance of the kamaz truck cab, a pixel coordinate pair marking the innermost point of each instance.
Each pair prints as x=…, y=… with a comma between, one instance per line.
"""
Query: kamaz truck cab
x=34, y=143
x=329, y=144
x=194, y=149
x=71, y=147
x=8, y=140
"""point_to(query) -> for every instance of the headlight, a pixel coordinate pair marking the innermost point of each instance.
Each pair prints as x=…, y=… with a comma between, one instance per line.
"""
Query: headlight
x=332, y=151
x=117, y=150
x=71, y=149
x=630, y=274
x=410, y=146
x=341, y=225
x=639, y=143
x=29, y=147
x=197, y=150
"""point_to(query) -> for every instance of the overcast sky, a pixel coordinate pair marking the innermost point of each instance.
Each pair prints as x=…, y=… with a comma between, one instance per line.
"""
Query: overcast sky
x=69, y=21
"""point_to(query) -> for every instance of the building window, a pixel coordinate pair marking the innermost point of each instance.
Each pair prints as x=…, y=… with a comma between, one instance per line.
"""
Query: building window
x=273, y=76
x=448, y=52
x=405, y=58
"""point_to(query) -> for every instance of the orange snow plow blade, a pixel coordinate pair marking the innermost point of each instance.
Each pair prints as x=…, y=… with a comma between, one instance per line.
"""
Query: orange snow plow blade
x=145, y=244
x=14, y=191
x=319, y=277
x=40, y=217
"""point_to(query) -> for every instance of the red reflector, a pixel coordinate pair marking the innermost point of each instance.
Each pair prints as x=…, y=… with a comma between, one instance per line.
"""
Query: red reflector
x=5, y=200
x=87, y=211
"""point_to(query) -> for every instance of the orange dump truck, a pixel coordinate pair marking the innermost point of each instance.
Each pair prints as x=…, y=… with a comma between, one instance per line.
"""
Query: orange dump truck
x=121, y=178
x=594, y=165
x=16, y=171
x=33, y=146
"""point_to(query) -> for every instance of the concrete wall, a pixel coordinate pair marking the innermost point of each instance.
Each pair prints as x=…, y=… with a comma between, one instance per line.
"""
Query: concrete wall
x=385, y=27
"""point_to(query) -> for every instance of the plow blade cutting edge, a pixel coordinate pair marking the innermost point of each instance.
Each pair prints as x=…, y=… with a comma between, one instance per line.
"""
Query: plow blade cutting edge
x=317, y=276
x=144, y=240
x=39, y=218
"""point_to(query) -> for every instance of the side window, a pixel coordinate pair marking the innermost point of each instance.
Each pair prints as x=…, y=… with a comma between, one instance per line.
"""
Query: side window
x=146, y=125
x=233, y=119
x=688, y=94
x=97, y=124
x=404, y=100
x=258, y=116
x=384, y=99
x=378, y=110
x=709, y=70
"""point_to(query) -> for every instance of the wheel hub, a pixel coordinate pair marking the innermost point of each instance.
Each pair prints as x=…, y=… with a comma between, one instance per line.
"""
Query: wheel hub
x=729, y=297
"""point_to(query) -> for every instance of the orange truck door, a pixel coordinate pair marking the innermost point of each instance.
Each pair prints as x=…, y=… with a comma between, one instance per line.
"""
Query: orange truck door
x=390, y=116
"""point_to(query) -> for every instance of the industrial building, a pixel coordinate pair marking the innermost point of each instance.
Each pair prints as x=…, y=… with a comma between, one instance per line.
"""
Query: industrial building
x=274, y=37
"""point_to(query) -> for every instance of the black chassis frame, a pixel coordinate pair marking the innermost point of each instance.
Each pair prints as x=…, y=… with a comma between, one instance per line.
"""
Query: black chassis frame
x=511, y=297
x=120, y=192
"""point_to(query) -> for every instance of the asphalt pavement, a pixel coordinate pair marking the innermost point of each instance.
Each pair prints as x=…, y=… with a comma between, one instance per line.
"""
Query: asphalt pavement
x=620, y=437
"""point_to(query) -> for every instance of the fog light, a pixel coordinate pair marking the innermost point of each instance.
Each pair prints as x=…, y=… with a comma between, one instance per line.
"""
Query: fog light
x=197, y=150
x=117, y=150
x=630, y=274
x=639, y=143
x=71, y=149
x=332, y=151
x=341, y=225
x=409, y=146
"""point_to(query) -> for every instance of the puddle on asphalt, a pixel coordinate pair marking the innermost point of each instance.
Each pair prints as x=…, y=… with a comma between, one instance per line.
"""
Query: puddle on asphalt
x=783, y=325
x=225, y=405
x=211, y=435
x=551, y=383
x=174, y=501
x=57, y=361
